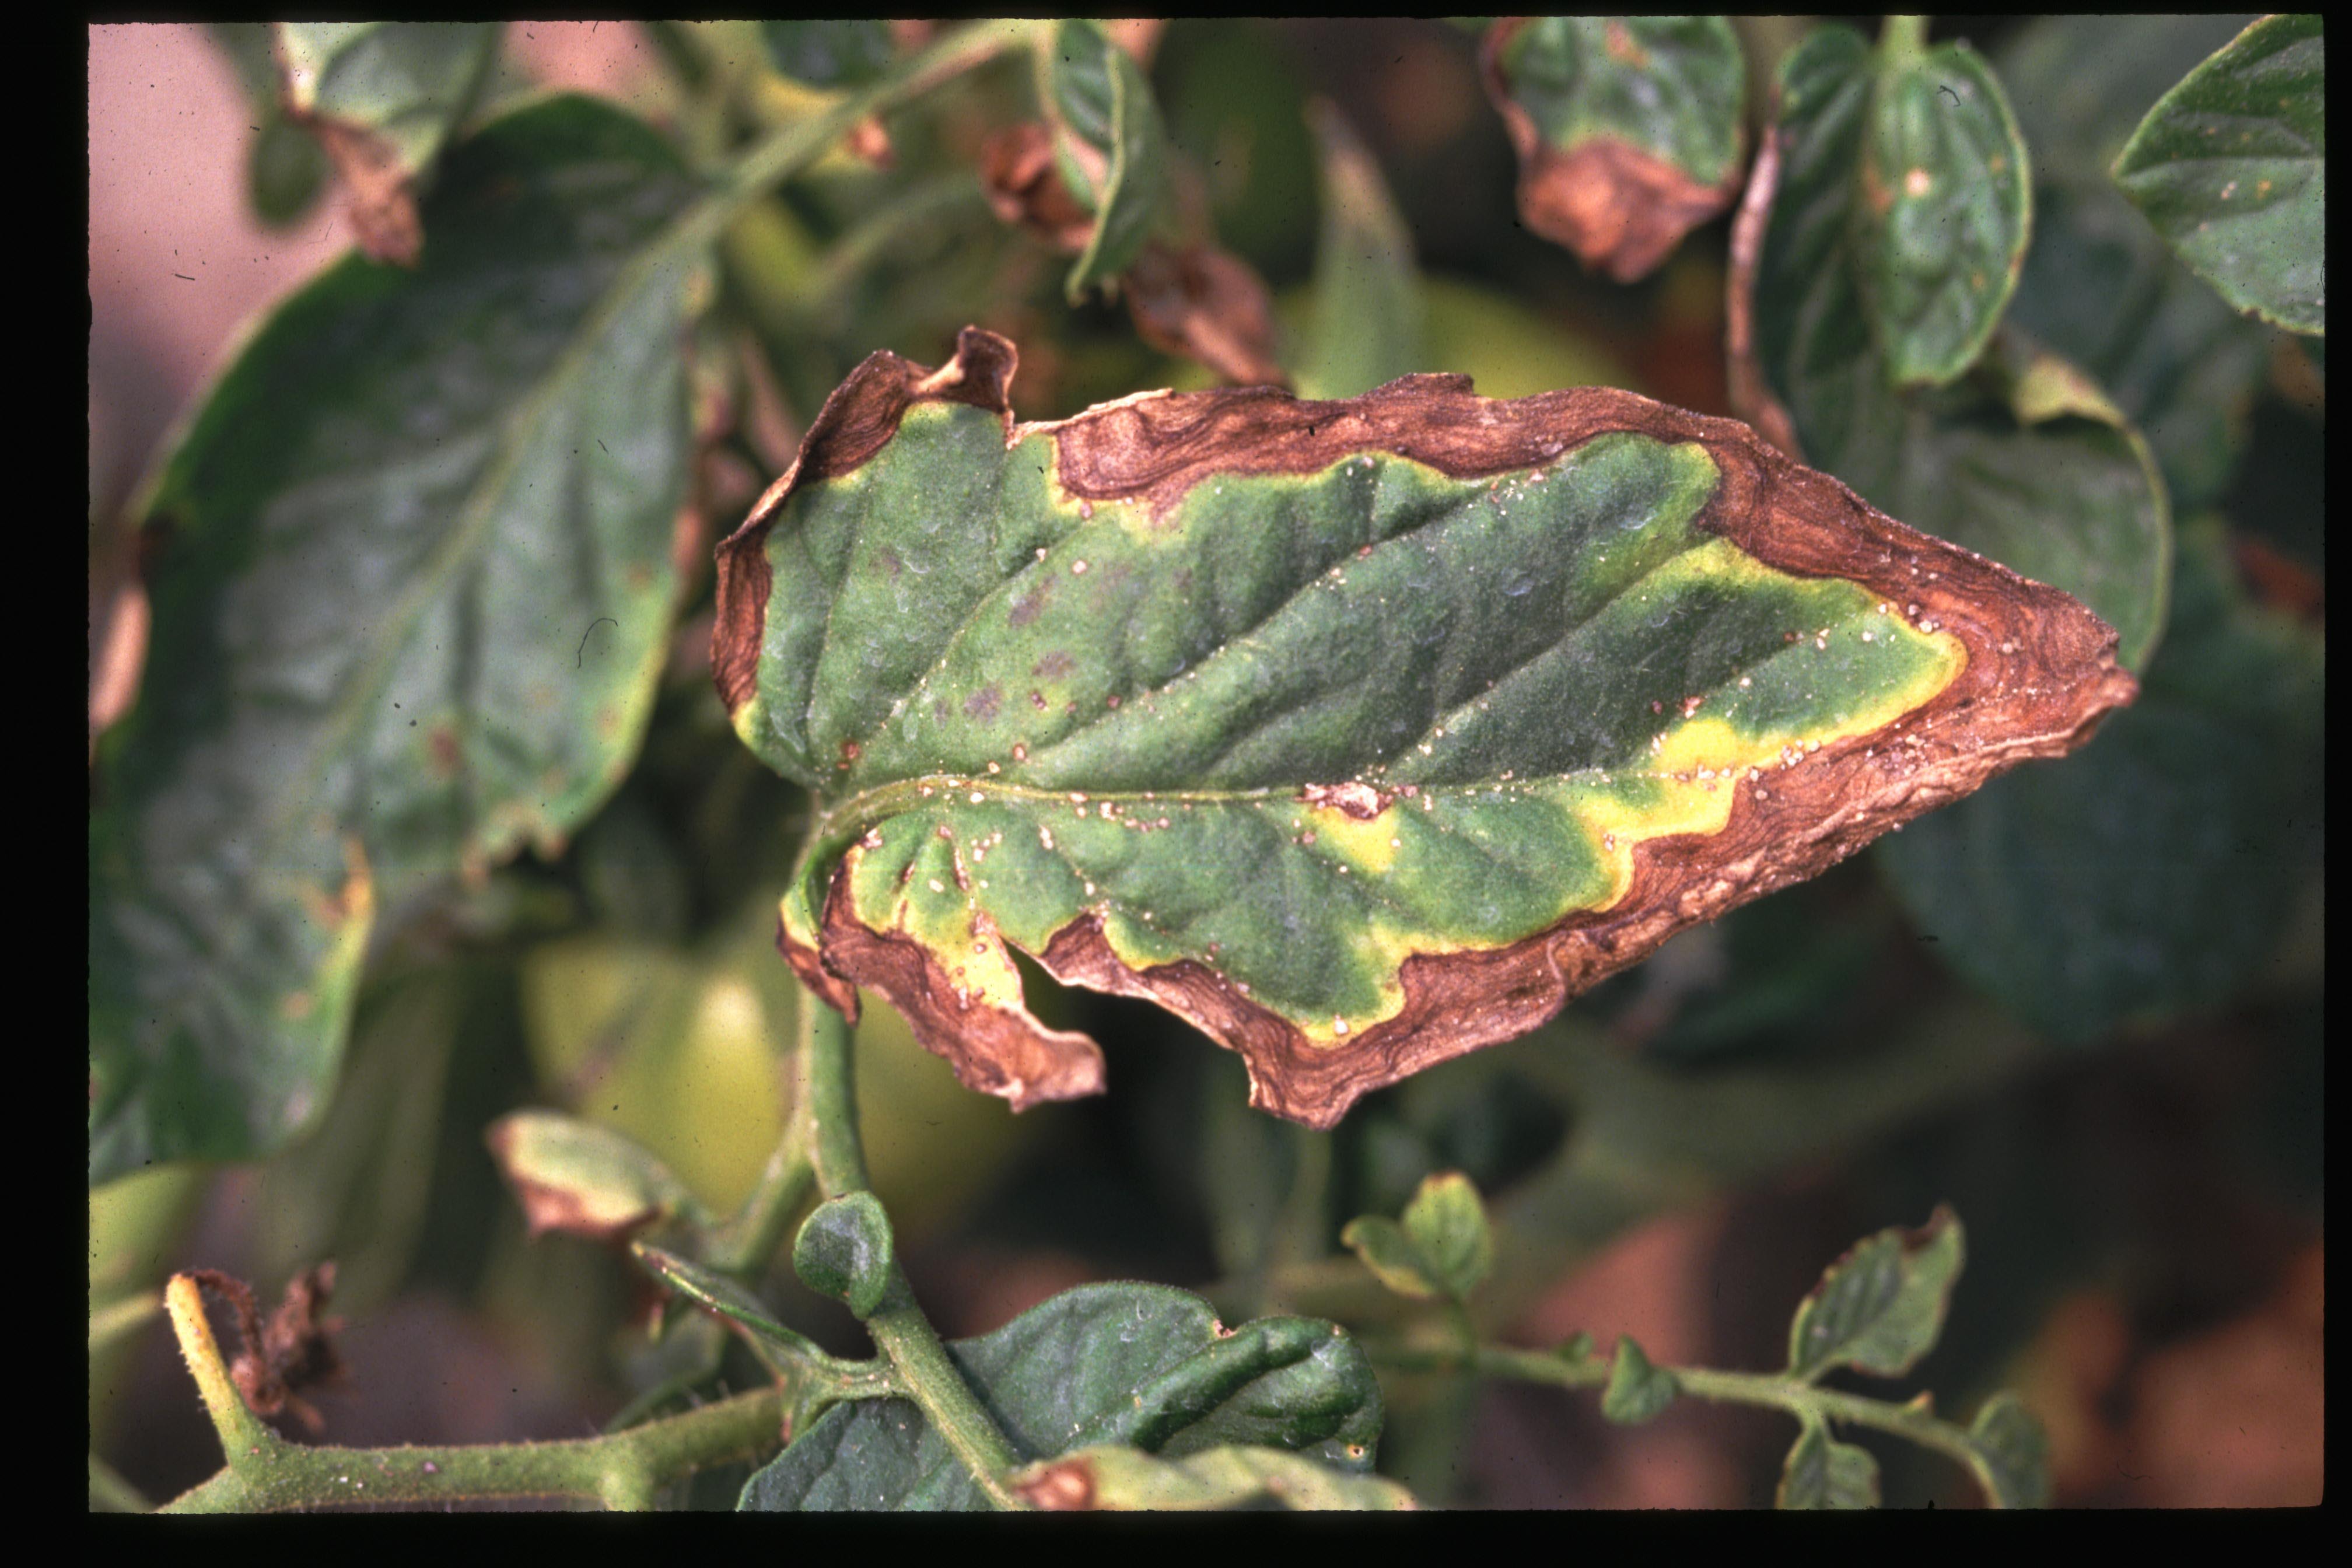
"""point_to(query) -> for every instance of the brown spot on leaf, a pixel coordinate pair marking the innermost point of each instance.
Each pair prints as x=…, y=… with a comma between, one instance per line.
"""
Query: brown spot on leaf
x=1621, y=208
x=1356, y=798
x=1028, y=607
x=1054, y=665
x=985, y=703
x=441, y=743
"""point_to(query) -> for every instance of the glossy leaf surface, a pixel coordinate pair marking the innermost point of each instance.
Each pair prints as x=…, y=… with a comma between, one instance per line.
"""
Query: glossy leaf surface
x=1119, y=1479
x=1879, y=1307
x=845, y=1250
x=2232, y=168
x=2158, y=869
x=2024, y=459
x=1360, y=734
x=1627, y=129
x=1140, y=1366
x=1109, y=142
x=410, y=591
x=1942, y=207
x=2099, y=287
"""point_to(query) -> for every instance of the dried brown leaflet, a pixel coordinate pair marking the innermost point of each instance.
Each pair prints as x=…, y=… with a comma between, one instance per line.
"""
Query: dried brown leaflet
x=1620, y=208
x=1190, y=299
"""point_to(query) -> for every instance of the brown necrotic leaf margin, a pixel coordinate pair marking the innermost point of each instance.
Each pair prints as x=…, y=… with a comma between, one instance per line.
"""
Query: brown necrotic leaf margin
x=2040, y=675
x=1621, y=208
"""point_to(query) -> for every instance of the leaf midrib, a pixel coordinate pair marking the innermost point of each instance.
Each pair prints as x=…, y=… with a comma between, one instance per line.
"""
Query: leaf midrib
x=1074, y=541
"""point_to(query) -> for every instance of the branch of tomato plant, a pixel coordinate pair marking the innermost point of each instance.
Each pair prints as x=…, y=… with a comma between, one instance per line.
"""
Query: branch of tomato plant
x=265, y=1473
x=792, y=148
x=828, y=1099
x=955, y=194
x=1773, y=1391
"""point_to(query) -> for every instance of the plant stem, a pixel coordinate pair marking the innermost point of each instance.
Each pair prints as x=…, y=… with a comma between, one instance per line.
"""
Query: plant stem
x=1773, y=1391
x=266, y=1474
x=788, y=150
x=828, y=1099
x=901, y=1332
x=1902, y=39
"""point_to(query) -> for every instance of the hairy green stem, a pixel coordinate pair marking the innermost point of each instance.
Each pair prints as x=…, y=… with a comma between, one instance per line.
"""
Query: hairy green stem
x=901, y=1332
x=1773, y=1391
x=265, y=1473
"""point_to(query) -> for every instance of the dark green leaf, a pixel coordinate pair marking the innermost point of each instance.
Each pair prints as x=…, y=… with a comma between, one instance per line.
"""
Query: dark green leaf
x=1637, y=1390
x=845, y=1250
x=380, y=547
x=285, y=169
x=1109, y=143
x=828, y=53
x=2099, y=287
x=1879, y=1307
x=382, y=97
x=1627, y=128
x=1823, y=1472
x=2022, y=460
x=1118, y=1479
x=2232, y=168
x=581, y=1179
x=1942, y=208
x=1447, y=1224
x=1333, y=726
x=2012, y=1454
x=2156, y=870
x=1134, y=1365
x=1367, y=328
